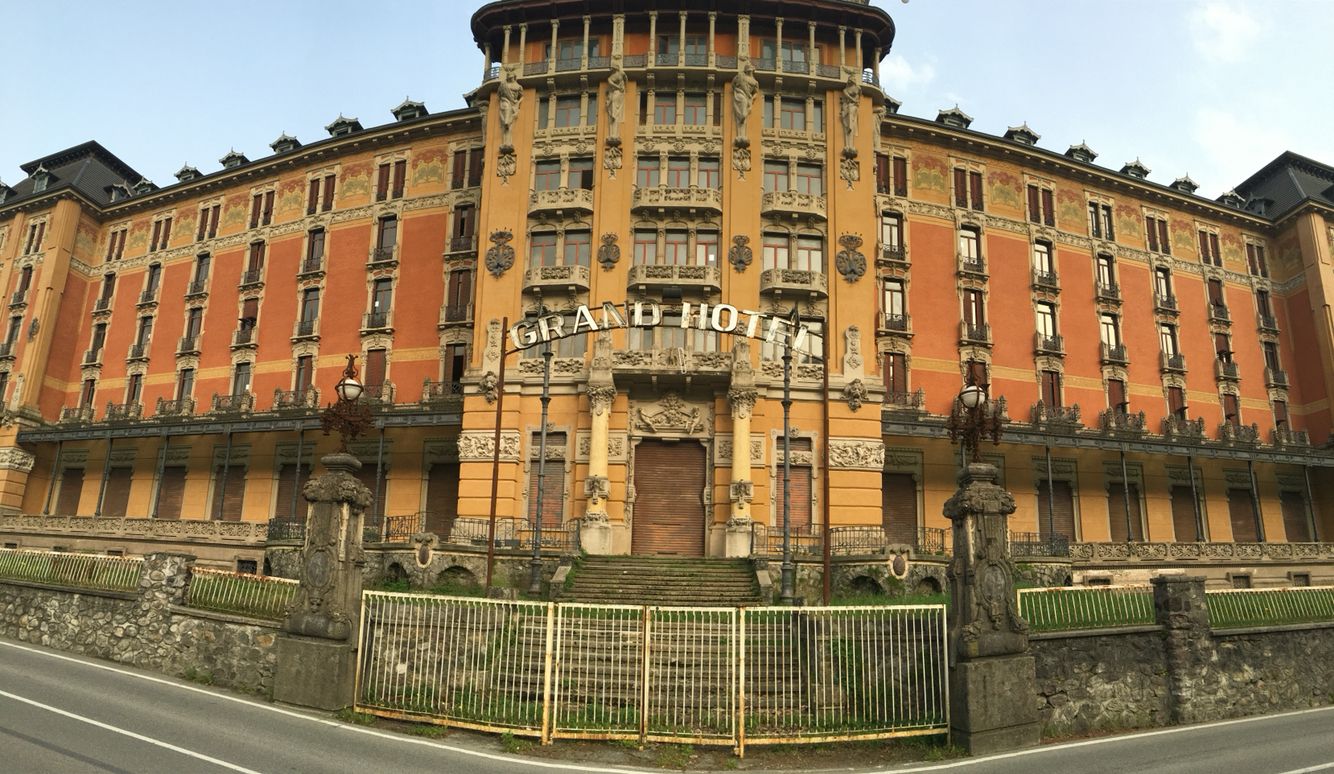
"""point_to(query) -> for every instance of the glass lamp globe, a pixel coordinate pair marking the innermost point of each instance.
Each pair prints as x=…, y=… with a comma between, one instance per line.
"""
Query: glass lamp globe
x=349, y=389
x=972, y=396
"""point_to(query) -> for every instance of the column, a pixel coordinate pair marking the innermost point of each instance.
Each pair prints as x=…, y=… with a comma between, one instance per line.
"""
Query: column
x=594, y=527
x=583, y=55
x=486, y=61
x=523, y=46
x=778, y=47
x=551, y=55
x=842, y=46
x=713, y=38
x=505, y=52
x=652, y=38
x=742, y=395
x=681, y=42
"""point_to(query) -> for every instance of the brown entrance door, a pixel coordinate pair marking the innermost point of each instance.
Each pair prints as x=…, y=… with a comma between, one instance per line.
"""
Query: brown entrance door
x=669, y=498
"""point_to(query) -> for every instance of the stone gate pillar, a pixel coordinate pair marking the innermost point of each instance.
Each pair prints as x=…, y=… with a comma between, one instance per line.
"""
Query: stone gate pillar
x=993, y=681
x=1181, y=609
x=317, y=649
x=742, y=395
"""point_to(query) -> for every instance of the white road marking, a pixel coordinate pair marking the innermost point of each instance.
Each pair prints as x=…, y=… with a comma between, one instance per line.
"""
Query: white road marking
x=1310, y=769
x=1113, y=740
x=131, y=734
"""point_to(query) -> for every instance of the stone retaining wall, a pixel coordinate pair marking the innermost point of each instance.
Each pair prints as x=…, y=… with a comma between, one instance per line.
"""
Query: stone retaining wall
x=148, y=629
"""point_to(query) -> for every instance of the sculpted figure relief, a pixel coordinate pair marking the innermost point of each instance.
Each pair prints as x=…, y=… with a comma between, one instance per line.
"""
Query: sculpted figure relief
x=744, y=91
x=615, y=103
x=851, y=100
x=510, y=95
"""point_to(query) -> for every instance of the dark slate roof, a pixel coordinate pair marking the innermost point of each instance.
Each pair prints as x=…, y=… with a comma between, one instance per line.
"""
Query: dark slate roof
x=1287, y=181
x=88, y=168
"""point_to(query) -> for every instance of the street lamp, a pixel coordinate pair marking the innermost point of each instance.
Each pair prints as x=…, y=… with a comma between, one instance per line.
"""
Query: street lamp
x=347, y=415
x=535, y=564
x=972, y=419
x=789, y=569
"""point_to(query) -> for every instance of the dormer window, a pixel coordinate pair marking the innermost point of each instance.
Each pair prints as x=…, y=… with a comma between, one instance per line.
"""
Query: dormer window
x=187, y=173
x=1081, y=152
x=233, y=159
x=118, y=192
x=144, y=186
x=1185, y=184
x=1135, y=169
x=408, y=110
x=40, y=180
x=343, y=126
x=954, y=117
x=285, y=143
x=1022, y=134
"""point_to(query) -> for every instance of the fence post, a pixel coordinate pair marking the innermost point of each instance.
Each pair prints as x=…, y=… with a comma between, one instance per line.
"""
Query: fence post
x=317, y=653
x=1180, y=607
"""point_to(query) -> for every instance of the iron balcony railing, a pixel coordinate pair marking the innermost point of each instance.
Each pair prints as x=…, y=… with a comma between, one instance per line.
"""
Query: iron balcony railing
x=973, y=264
x=463, y=244
x=197, y=288
x=1053, y=344
x=91, y=357
x=1035, y=544
x=975, y=333
x=20, y=297
x=233, y=404
x=123, y=411
x=251, y=278
x=1114, y=354
x=6, y=350
x=1165, y=303
x=382, y=393
x=375, y=321
x=894, y=255
x=305, y=329
x=1226, y=370
x=102, y=305
x=1268, y=323
x=897, y=323
x=1172, y=363
x=1219, y=313
x=455, y=313
x=189, y=345
x=137, y=352
x=311, y=266
x=181, y=407
x=380, y=256
x=244, y=337
x=1046, y=280
x=148, y=297
x=307, y=398
x=933, y=540
x=905, y=399
x=1276, y=377
x=1108, y=291
x=438, y=391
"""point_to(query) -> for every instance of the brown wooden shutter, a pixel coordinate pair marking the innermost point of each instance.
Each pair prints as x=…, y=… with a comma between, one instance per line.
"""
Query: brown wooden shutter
x=117, y=497
x=157, y=233
x=1051, y=388
x=553, y=493
x=975, y=189
x=898, y=508
x=1162, y=238
x=1048, y=207
x=800, y=494
x=977, y=373
x=1231, y=408
x=289, y=482
x=1034, y=204
x=1215, y=291
x=1060, y=519
x=460, y=171
x=71, y=488
x=203, y=225
x=1116, y=394
x=896, y=373
x=1183, y=514
x=171, y=493
x=1213, y=249
x=313, y=197
x=900, y=176
x=375, y=367
x=960, y=188
x=229, y=494
x=669, y=505
x=1281, y=413
x=476, y=161
x=1116, y=512
x=442, y=498
x=1176, y=400
x=256, y=202
x=1241, y=512
x=1204, y=245
x=1152, y=232
x=330, y=182
x=400, y=177
x=882, y=184
x=268, y=207
x=1296, y=525
x=382, y=183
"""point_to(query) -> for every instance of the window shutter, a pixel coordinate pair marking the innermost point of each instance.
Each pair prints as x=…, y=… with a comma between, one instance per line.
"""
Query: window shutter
x=1048, y=207
x=1204, y=245
x=900, y=176
x=382, y=183
x=1117, y=497
x=1213, y=249
x=256, y=202
x=881, y=174
x=291, y=481
x=330, y=181
x=400, y=177
x=1051, y=388
x=460, y=173
x=1281, y=413
x=171, y=493
x=960, y=188
x=475, y=164
x=157, y=230
x=442, y=498
x=975, y=186
x=268, y=208
x=1116, y=394
x=1152, y=232
x=1034, y=205
x=1162, y=238
x=375, y=367
x=1215, y=291
x=899, y=508
x=313, y=197
x=71, y=488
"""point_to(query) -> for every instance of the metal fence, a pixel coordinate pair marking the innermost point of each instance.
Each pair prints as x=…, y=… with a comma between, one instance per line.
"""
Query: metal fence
x=732, y=676
x=240, y=593
x=1235, y=608
x=1064, y=608
x=90, y=571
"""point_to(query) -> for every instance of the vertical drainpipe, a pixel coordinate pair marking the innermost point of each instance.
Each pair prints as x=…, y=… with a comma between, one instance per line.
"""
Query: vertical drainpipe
x=1255, y=501
x=1125, y=496
x=106, y=471
x=296, y=477
x=1195, y=500
x=222, y=481
x=1310, y=505
x=60, y=449
x=161, y=471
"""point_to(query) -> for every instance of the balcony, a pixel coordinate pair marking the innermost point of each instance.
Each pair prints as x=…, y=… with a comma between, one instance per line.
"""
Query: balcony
x=780, y=282
x=1177, y=428
x=557, y=201
x=148, y=298
x=251, y=280
x=1248, y=435
x=379, y=394
x=1226, y=371
x=439, y=392
x=182, y=407
x=705, y=279
x=674, y=362
x=1276, y=377
x=138, y=352
x=555, y=279
x=101, y=306
x=1047, y=281
x=1108, y=292
x=284, y=400
x=19, y=298
x=377, y=322
x=1286, y=436
x=245, y=337
x=1115, y=355
x=905, y=401
x=382, y=258
x=76, y=414
x=1219, y=313
x=7, y=351
x=311, y=268
x=1172, y=364
x=461, y=244
x=793, y=204
x=972, y=266
x=196, y=289
x=900, y=324
x=892, y=256
x=1056, y=418
x=683, y=200
x=189, y=345
x=1117, y=422
x=1267, y=323
x=233, y=404
x=306, y=330
x=123, y=412
x=455, y=314
x=1053, y=344
x=1165, y=304
x=974, y=333
x=91, y=357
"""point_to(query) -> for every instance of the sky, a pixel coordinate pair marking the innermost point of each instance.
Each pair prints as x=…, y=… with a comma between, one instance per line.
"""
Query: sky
x=1210, y=88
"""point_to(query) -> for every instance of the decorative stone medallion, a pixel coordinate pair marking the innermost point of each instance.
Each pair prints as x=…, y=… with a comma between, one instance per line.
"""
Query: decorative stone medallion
x=500, y=256
x=740, y=253
x=850, y=261
x=609, y=254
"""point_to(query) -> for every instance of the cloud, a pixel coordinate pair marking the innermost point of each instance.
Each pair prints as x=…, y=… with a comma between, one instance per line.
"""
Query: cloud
x=1223, y=30
x=900, y=76
x=1233, y=146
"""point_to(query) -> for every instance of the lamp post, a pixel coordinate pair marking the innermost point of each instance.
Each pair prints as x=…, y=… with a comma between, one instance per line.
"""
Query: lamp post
x=347, y=415
x=535, y=564
x=789, y=569
x=972, y=419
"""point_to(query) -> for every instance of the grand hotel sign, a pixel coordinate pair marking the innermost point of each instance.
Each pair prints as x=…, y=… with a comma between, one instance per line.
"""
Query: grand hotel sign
x=719, y=318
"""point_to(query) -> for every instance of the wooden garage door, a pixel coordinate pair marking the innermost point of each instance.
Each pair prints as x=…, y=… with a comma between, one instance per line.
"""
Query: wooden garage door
x=1241, y=511
x=117, y=496
x=1116, y=513
x=442, y=497
x=171, y=493
x=1183, y=515
x=228, y=495
x=1056, y=513
x=290, y=483
x=1295, y=522
x=899, y=508
x=669, y=504
x=71, y=487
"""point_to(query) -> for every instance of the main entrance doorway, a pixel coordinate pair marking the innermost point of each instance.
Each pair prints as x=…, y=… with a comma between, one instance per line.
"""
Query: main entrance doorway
x=669, y=504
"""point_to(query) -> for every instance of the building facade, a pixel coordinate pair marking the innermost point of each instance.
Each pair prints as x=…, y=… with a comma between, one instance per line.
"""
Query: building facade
x=670, y=199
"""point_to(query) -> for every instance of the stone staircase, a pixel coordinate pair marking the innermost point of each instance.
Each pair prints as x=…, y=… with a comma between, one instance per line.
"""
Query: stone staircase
x=663, y=581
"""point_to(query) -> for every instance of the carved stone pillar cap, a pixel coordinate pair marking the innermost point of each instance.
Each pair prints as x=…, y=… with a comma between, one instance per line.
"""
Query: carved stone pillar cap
x=978, y=472
x=338, y=461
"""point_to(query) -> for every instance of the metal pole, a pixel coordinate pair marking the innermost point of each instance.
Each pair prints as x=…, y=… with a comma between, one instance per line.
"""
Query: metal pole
x=55, y=471
x=161, y=471
x=222, y=483
x=379, y=477
x=1051, y=501
x=826, y=571
x=296, y=476
x=789, y=570
x=535, y=564
x=106, y=471
x=1255, y=501
x=1195, y=499
x=1125, y=496
x=1310, y=505
x=495, y=457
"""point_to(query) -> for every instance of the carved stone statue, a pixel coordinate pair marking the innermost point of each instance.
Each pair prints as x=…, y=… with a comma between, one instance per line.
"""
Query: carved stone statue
x=615, y=104
x=850, y=103
x=744, y=91
x=510, y=95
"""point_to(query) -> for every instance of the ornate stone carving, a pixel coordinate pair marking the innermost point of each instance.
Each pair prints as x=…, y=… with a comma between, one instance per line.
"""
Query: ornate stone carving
x=673, y=415
x=612, y=159
x=506, y=164
x=743, y=402
x=850, y=261
x=479, y=446
x=489, y=386
x=597, y=489
x=850, y=170
x=854, y=392
x=852, y=353
x=615, y=447
x=745, y=88
x=856, y=454
x=493, y=349
x=609, y=254
x=849, y=108
x=742, y=492
x=600, y=397
x=500, y=256
x=509, y=96
x=740, y=253
x=616, y=83
x=722, y=451
x=741, y=160
x=326, y=598
x=14, y=458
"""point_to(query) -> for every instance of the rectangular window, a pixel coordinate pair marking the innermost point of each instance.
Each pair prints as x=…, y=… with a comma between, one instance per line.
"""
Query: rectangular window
x=1209, y=252
x=1100, y=221
x=241, y=379
x=202, y=262
x=1046, y=320
x=1162, y=283
x=194, y=320
x=310, y=304
x=145, y=331
x=894, y=299
x=676, y=248
x=891, y=231
x=569, y=111
x=134, y=388
x=476, y=161
x=249, y=314
x=974, y=308
x=465, y=221
x=792, y=114
x=1223, y=347
x=664, y=108
x=1109, y=327
x=775, y=176
x=969, y=248
x=648, y=172
x=709, y=174
x=108, y=286
x=968, y=189
x=25, y=281
x=580, y=174
x=1281, y=413
x=116, y=244
x=678, y=172
x=810, y=179
x=12, y=335
x=1106, y=271
x=578, y=248
x=1231, y=409
x=1051, y=388
x=546, y=176
x=1167, y=339
x=646, y=247
x=542, y=249
x=99, y=336
x=696, y=110
x=387, y=236
x=810, y=254
x=1270, y=350
x=185, y=383
x=261, y=209
x=896, y=376
x=882, y=183
x=382, y=294
x=899, y=166
x=36, y=233
x=376, y=367
x=1041, y=208
x=161, y=235
x=255, y=259
x=706, y=248
x=1116, y=396
x=303, y=373
x=1042, y=262
x=1262, y=304
x=977, y=374
x=1156, y=229
x=382, y=182
x=459, y=171
x=458, y=295
x=315, y=248
x=1255, y=260
x=774, y=251
x=1217, y=299
x=86, y=394
x=456, y=362
x=153, y=279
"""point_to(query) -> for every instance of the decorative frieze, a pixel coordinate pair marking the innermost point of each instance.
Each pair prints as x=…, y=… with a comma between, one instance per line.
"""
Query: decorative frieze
x=14, y=458
x=479, y=446
x=1202, y=552
x=616, y=446
x=856, y=454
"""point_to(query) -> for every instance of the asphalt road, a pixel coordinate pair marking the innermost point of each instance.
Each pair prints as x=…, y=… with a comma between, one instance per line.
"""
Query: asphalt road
x=61, y=713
